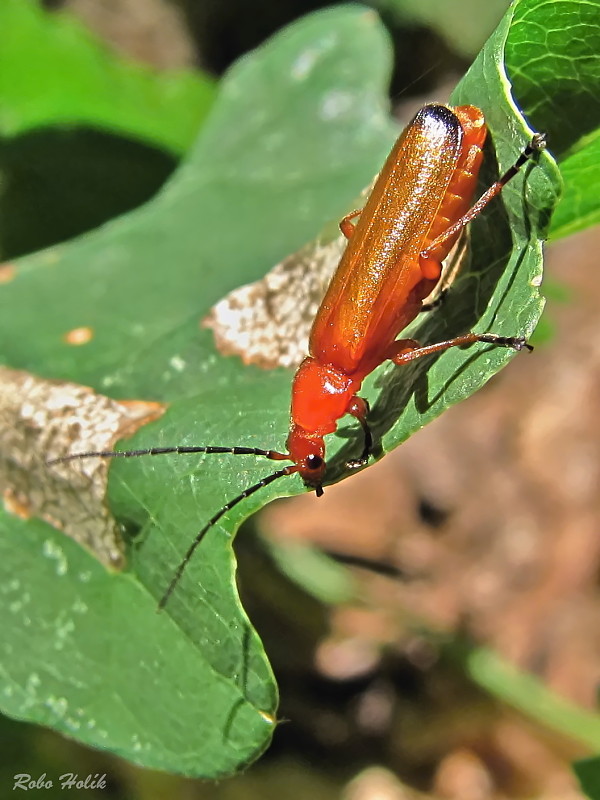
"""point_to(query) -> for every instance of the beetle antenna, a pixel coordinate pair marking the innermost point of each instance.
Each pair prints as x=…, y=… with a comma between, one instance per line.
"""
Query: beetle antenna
x=156, y=451
x=202, y=533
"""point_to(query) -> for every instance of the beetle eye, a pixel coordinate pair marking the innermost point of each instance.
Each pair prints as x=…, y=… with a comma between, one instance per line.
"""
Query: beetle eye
x=314, y=462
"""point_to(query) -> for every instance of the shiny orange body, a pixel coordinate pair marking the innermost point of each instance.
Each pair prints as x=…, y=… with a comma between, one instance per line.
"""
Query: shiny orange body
x=425, y=186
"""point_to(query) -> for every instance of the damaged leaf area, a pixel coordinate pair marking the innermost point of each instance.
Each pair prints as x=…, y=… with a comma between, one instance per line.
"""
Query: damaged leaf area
x=268, y=322
x=41, y=420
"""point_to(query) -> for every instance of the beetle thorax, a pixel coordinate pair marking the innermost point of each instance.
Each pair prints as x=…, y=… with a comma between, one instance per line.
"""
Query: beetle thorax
x=320, y=396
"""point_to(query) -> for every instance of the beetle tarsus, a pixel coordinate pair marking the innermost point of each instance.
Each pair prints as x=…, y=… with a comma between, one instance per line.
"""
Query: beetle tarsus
x=517, y=343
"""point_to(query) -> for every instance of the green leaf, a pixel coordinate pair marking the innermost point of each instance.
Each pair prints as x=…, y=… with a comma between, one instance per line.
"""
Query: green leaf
x=588, y=774
x=54, y=72
x=85, y=652
x=299, y=125
x=299, y=128
x=579, y=207
x=552, y=60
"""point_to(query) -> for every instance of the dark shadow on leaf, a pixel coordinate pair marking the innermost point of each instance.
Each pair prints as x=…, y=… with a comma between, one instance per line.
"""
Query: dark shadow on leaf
x=60, y=182
x=242, y=681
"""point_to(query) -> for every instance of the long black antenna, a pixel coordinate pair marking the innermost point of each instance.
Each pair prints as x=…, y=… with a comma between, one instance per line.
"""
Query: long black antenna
x=157, y=451
x=200, y=535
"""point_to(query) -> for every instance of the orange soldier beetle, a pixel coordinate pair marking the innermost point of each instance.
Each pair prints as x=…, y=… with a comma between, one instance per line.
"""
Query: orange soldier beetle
x=417, y=209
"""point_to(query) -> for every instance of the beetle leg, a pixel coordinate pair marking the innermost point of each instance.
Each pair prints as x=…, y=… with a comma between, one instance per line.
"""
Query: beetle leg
x=438, y=300
x=358, y=407
x=537, y=143
x=452, y=267
x=346, y=226
x=431, y=264
x=405, y=350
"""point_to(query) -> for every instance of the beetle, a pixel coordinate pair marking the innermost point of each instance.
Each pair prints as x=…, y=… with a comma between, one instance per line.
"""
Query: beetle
x=418, y=207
